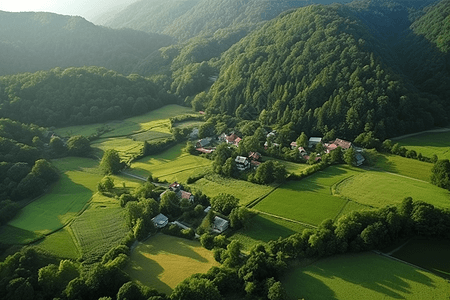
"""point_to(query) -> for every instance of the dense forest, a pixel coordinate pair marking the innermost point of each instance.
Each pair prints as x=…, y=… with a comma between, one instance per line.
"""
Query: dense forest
x=31, y=42
x=72, y=96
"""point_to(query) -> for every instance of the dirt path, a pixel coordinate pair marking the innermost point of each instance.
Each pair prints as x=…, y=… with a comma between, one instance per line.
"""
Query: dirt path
x=286, y=219
x=421, y=132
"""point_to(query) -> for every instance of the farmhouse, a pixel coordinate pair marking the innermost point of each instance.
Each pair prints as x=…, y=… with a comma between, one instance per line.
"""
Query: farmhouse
x=231, y=139
x=220, y=225
x=160, y=221
x=203, y=142
x=242, y=163
x=313, y=141
x=178, y=190
x=254, y=155
x=293, y=145
x=345, y=145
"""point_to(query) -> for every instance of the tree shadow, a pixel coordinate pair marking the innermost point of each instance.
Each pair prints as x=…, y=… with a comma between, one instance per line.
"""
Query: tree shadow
x=384, y=164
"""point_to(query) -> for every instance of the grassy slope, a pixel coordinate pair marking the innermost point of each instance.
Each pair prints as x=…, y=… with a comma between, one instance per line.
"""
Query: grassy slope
x=99, y=228
x=245, y=191
x=404, y=166
x=308, y=200
x=429, y=144
x=65, y=199
x=60, y=244
x=264, y=228
x=379, y=189
x=156, y=120
x=363, y=276
x=171, y=165
x=164, y=261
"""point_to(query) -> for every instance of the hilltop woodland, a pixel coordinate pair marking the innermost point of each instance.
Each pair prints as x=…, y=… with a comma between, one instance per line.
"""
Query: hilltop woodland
x=364, y=71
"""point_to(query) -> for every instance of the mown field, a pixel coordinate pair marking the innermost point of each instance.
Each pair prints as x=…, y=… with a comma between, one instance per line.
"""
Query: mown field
x=263, y=228
x=157, y=120
x=427, y=253
x=309, y=200
x=65, y=198
x=126, y=147
x=213, y=184
x=378, y=189
x=60, y=244
x=404, y=166
x=429, y=144
x=99, y=228
x=171, y=165
x=163, y=261
x=364, y=276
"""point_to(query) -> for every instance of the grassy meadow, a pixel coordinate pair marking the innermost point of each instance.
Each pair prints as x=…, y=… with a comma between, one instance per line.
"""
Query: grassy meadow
x=429, y=144
x=126, y=147
x=163, y=261
x=363, y=276
x=263, y=229
x=309, y=200
x=11, y=235
x=65, y=199
x=404, y=166
x=157, y=120
x=60, y=244
x=99, y=228
x=171, y=165
x=213, y=184
x=378, y=189
x=431, y=254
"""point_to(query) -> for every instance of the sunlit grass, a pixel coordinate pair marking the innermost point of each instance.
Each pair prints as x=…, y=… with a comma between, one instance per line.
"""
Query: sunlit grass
x=429, y=144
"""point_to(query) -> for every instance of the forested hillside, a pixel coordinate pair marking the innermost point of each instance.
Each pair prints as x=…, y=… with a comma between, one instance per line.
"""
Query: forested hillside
x=71, y=96
x=39, y=41
x=321, y=68
x=184, y=19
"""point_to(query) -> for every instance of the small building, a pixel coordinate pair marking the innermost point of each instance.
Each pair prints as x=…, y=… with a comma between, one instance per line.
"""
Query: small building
x=266, y=144
x=272, y=133
x=359, y=159
x=220, y=224
x=255, y=164
x=231, y=139
x=207, y=209
x=302, y=151
x=242, y=163
x=160, y=221
x=203, y=142
x=187, y=195
x=293, y=145
x=313, y=141
x=254, y=155
x=345, y=145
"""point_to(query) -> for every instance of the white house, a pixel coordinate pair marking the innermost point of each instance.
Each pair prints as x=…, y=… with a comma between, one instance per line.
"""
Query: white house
x=313, y=141
x=160, y=221
x=242, y=163
x=220, y=224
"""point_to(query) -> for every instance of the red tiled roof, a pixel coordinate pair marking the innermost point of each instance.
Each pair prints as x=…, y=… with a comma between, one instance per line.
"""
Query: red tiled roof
x=294, y=144
x=185, y=195
x=231, y=138
x=343, y=144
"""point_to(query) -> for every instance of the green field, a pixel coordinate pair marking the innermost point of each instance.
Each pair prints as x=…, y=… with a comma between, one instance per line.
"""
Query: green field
x=378, y=189
x=309, y=200
x=127, y=148
x=64, y=199
x=171, y=165
x=363, y=276
x=99, y=228
x=431, y=254
x=213, y=184
x=405, y=166
x=163, y=261
x=265, y=228
x=429, y=144
x=157, y=120
x=11, y=235
x=60, y=244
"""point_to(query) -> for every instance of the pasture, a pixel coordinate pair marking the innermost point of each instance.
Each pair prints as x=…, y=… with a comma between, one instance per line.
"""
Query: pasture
x=99, y=228
x=309, y=200
x=163, y=261
x=65, y=199
x=378, y=189
x=404, y=166
x=364, y=276
x=428, y=144
x=263, y=229
x=127, y=148
x=431, y=254
x=171, y=165
x=157, y=120
x=60, y=244
x=11, y=235
x=214, y=184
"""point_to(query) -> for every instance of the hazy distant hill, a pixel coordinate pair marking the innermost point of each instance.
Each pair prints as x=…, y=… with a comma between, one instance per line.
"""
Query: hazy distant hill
x=187, y=18
x=40, y=41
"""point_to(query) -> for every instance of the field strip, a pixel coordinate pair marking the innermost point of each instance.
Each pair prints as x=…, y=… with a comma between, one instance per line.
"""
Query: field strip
x=259, y=199
x=419, y=133
x=286, y=219
x=395, y=174
x=134, y=176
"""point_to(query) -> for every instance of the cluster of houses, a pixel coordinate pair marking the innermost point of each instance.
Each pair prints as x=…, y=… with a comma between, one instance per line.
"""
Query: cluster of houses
x=161, y=220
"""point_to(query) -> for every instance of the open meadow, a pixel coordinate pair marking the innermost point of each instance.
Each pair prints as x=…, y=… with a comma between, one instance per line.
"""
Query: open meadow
x=126, y=147
x=171, y=165
x=404, y=166
x=157, y=120
x=428, y=144
x=309, y=200
x=428, y=253
x=163, y=261
x=60, y=244
x=263, y=228
x=363, y=276
x=65, y=199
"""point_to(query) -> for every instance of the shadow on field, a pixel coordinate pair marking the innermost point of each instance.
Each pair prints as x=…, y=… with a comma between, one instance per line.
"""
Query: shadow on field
x=380, y=276
x=264, y=230
x=177, y=246
x=383, y=163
